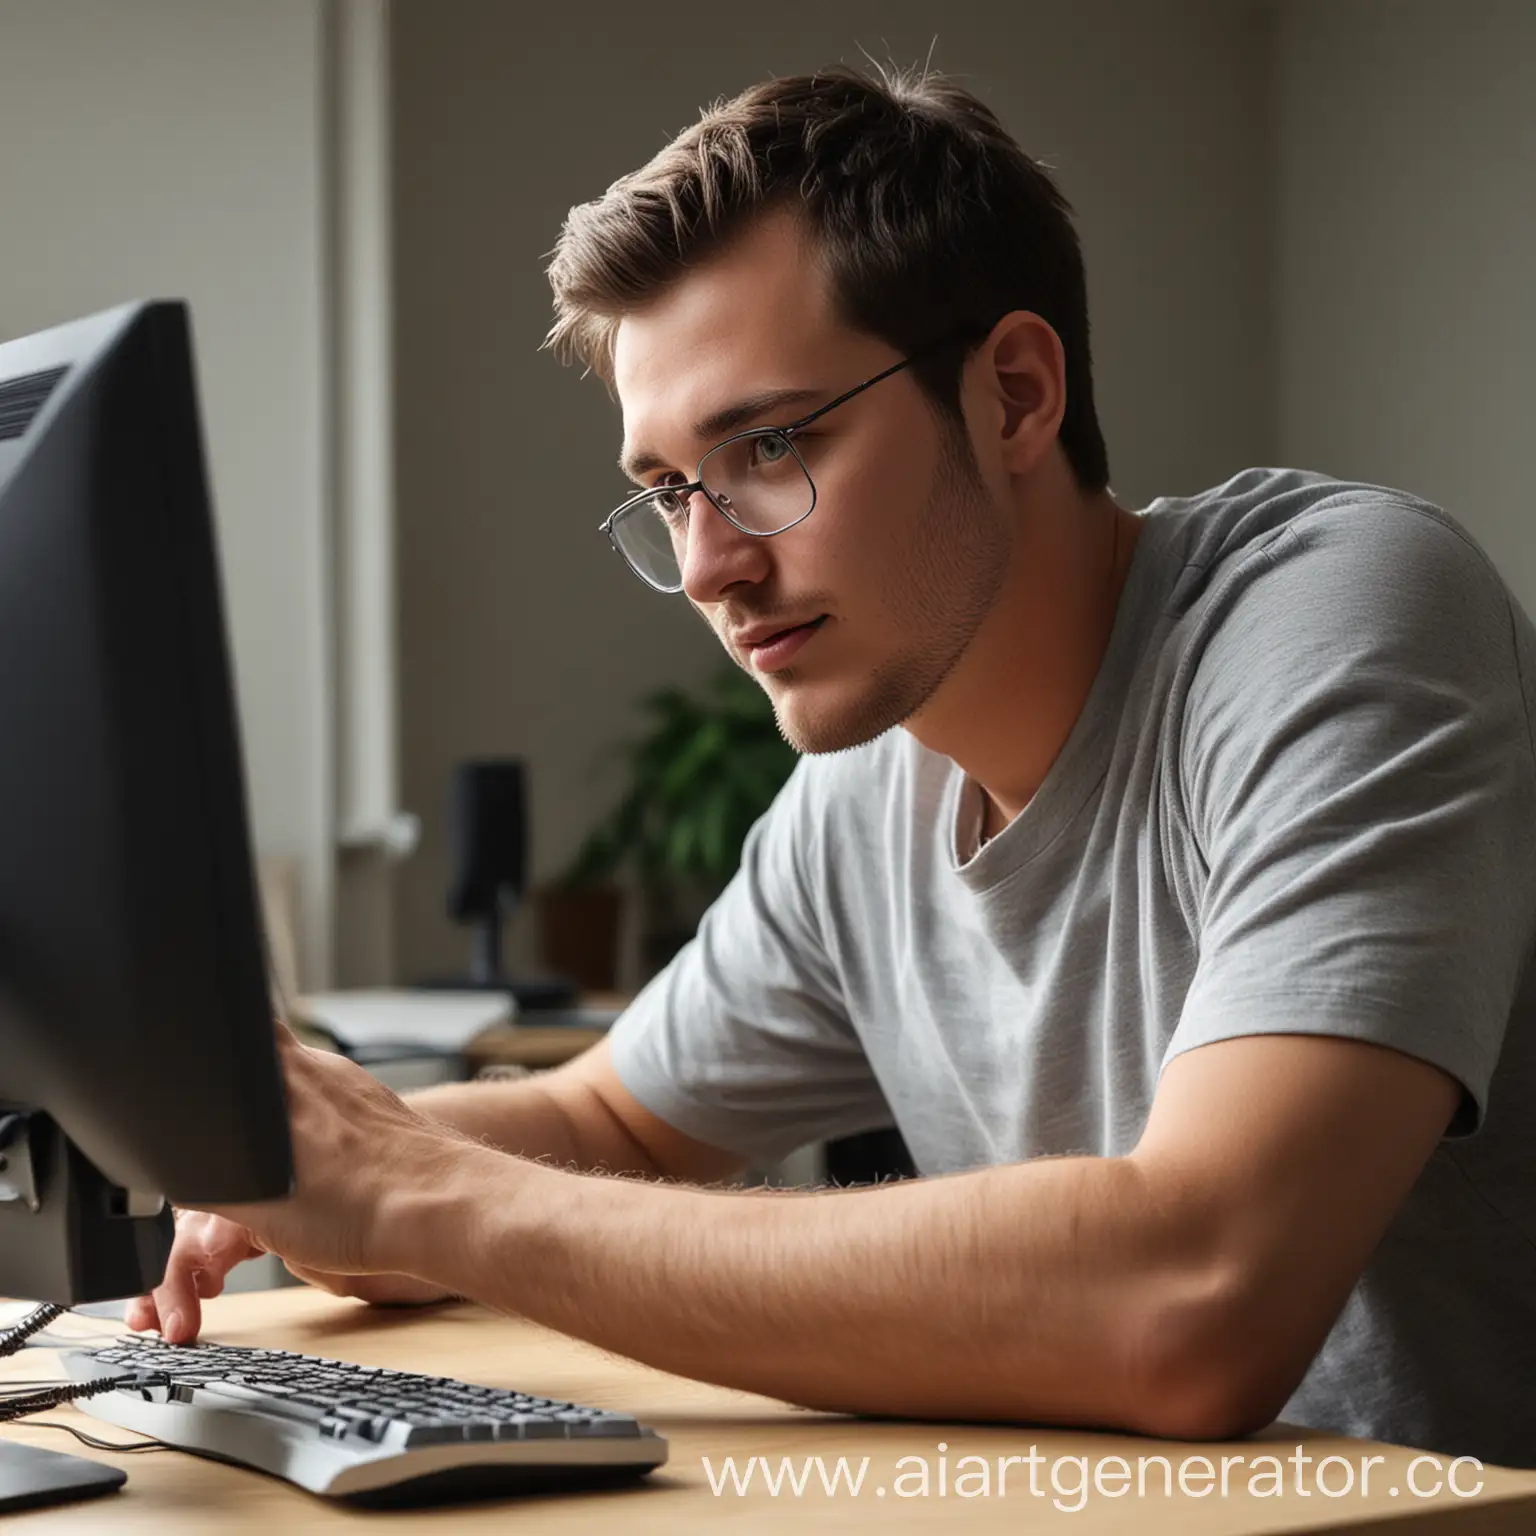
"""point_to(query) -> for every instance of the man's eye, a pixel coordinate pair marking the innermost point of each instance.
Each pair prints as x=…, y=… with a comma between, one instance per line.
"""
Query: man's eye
x=671, y=508
x=771, y=449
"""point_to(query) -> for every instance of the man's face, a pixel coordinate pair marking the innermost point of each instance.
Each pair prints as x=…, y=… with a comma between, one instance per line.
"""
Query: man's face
x=906, y=551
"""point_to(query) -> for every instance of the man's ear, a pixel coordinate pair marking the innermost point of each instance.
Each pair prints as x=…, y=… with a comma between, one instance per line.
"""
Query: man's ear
x=1021, y=368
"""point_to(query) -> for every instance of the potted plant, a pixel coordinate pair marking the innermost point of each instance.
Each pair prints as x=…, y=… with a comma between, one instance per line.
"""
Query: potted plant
x=705, y=770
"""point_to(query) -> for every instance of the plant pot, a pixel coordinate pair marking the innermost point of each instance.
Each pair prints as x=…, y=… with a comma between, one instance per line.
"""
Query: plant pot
x=671, y=912
x=579, y=929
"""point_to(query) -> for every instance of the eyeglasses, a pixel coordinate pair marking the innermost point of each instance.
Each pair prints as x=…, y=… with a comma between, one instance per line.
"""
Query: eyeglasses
x=756, y=480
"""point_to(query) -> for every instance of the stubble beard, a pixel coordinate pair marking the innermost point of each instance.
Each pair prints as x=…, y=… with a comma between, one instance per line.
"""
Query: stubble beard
x=943, y=582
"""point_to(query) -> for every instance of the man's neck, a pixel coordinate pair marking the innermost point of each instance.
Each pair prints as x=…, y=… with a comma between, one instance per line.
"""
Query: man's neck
x=1004, y=715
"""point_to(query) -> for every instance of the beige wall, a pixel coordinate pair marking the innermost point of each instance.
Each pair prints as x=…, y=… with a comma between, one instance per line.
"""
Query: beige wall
x=1406, y=294
x=520, y=632
x=173, y=148
x=1309, y=230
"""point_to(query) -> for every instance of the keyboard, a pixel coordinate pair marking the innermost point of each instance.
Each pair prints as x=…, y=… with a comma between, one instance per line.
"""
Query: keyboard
x=359, y=1432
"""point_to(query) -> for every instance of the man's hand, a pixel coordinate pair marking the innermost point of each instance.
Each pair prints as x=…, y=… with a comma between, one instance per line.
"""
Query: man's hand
x=207, y=1247
x=361, y=1156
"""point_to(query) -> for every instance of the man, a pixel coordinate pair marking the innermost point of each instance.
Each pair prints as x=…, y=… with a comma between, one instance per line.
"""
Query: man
x=1167, y=877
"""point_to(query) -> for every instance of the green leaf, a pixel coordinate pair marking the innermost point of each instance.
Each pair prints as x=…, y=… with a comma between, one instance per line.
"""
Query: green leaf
x=685, y=773
x=714, y=845
x=680, y=846
x=700, y=775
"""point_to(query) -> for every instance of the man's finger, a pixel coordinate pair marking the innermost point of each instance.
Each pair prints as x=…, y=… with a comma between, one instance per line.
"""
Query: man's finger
x=207, y=1283
x=140, y=1314
x=175, y=1301
x=204, y=1252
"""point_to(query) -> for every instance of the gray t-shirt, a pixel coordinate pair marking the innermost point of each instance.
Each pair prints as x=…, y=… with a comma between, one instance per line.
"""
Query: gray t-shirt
x=1300, y=798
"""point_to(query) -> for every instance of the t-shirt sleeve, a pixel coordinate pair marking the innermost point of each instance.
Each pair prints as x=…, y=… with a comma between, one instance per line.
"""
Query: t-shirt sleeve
x=743, y=1041
x=1357, y=765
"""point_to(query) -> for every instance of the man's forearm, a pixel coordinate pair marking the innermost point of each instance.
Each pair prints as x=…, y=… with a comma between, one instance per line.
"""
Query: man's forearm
x=535, y=1118
x=1032, y=1291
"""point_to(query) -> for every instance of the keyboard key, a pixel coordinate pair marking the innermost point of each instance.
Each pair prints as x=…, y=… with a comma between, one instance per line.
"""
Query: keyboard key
x=529, y=1426
x=424, y=1431
x=617, y=1426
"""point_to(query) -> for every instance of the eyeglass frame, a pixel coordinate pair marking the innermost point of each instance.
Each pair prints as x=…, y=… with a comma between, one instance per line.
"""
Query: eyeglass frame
x=694, y=487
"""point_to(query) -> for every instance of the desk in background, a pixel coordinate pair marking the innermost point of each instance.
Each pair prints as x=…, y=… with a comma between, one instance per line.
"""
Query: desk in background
x=532, y=1043
x=170, y=1492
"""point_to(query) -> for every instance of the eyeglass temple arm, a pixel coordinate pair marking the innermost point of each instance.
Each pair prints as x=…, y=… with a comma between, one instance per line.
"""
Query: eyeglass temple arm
x=885, y=373
x=847, y=394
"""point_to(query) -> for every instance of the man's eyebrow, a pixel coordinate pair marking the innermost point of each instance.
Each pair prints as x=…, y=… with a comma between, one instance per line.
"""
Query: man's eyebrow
x=710, y=429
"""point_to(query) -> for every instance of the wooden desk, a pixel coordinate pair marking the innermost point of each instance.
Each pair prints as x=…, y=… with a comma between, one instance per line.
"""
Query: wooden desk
x=535, y=1045
x=171, y=1492
x=529, y=1045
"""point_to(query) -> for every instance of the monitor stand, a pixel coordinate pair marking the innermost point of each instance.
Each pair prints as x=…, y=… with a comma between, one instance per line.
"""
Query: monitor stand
x=486, y=975
x=31, y=1476
x=67, y=1234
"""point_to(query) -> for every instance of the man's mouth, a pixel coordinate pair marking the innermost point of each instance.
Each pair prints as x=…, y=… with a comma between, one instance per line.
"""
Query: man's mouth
x=775, y=650
x=778, y=635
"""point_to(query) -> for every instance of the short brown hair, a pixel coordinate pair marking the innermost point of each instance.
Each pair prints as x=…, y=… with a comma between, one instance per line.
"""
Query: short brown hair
x=933, y=223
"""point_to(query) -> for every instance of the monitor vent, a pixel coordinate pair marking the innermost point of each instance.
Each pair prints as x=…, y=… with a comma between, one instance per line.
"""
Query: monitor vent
x=21, y=399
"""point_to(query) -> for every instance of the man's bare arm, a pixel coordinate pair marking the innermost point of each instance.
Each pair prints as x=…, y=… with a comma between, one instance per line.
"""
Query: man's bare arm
x=580, y=1115
x=1180, y=1290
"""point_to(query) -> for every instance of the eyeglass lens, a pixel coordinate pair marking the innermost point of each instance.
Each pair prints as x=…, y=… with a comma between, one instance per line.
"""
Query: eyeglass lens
x=757, y=481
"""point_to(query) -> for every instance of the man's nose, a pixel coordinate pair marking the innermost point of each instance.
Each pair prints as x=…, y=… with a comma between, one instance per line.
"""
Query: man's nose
x=717, y=554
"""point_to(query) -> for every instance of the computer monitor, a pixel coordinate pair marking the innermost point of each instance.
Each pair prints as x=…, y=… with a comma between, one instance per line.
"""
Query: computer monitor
x=137, y=1059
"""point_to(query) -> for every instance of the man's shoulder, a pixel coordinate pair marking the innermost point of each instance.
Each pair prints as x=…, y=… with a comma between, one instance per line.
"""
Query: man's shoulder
x=1365, y=611
x=1265, y=519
